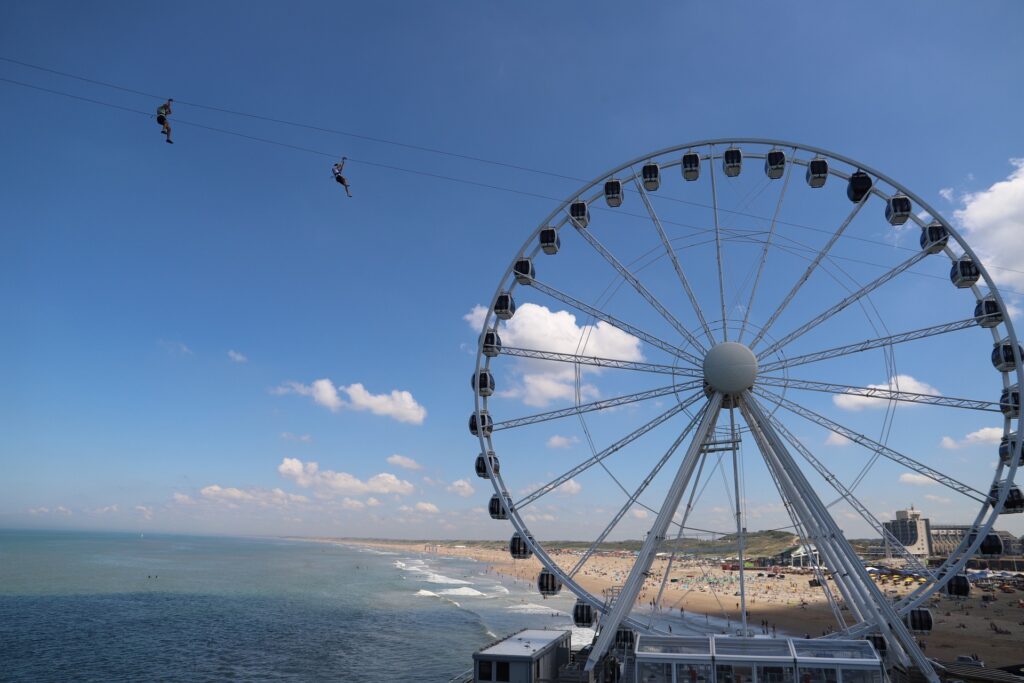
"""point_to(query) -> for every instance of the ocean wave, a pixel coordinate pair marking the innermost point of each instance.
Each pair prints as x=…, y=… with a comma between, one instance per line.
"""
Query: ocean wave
x=410, y=565
x=427, y=594
x=441, y=578
x=463, y=592
x=533, y=608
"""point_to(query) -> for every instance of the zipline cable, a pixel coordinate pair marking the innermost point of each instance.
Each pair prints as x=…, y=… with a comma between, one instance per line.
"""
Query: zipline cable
x=427, y=174
x=296, y=124
x=421, y=148
x=268, y=141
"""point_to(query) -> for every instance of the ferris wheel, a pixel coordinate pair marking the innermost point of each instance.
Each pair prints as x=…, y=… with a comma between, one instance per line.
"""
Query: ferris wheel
x=727, y=321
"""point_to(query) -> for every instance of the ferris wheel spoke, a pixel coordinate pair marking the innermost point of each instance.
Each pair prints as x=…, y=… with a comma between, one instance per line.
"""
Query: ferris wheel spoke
x=632, y=498
x=679, y=535
x=639, y=287
x=848, y=496
x=739, y=520
x=598, y=457
x=810, y=269
x=718, y=243
x=873, y=603
x=767, y=244
x=880, y=393
x=597, y=361
x=675, y=260
x=817, y=537
x=623, y=603
x=825, y=315
x=615, y=322
x=875, y=446
x=869, y=344
x=597, y=405
x=802, y=531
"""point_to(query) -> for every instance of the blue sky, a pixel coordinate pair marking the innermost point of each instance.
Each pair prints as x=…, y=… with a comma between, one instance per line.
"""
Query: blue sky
x=168, y=309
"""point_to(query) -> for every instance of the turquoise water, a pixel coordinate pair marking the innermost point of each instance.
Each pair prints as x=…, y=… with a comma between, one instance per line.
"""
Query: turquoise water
x=117, y=607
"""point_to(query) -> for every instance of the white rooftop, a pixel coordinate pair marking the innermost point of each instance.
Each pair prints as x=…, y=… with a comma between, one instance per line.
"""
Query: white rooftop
x=526, y=643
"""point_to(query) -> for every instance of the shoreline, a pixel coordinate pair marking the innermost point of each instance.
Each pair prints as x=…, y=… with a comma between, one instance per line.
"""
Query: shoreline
x=787, y=606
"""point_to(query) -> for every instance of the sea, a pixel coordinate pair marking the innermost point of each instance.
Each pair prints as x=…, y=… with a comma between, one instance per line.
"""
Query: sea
x=84, y=606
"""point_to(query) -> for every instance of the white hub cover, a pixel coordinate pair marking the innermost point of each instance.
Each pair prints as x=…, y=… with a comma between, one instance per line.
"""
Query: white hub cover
x=730, y=368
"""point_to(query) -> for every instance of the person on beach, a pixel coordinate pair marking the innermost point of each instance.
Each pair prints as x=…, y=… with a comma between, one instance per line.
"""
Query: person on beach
x=163, y=112
x=337, y=169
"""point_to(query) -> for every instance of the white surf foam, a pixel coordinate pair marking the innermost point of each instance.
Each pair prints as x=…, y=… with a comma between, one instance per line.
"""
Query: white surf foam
x=532, y=608
x=410, y=565
x=427, y=594
x=441, y=578
x=464, y=592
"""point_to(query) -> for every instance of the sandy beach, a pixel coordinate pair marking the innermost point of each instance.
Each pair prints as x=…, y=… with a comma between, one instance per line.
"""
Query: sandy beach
x=781, y=605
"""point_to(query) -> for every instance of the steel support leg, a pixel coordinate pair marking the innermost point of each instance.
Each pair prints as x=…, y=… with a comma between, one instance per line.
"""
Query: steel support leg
x=885, y=616
x=626, y=598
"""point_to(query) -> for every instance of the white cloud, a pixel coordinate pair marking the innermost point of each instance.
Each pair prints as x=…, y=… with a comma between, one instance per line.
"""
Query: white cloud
x=183, y=499
x=897, y=383
x=989, y=436
x=146, y=512
x=404, y=462
x=538, y=327
x=329, y=482
x=234, y=496
x=59, y=510
x=352, y=504
x=916, y=479
x=543, y=517
x=462, y=488
x=992, y=221
x=476, y=317
x=559, y=441
x=302, y=438
x=427, y=507
x=937, y=499
x=175, y=348
x=570, y=488
x=218, y=492
x=372, y=502
x=639, y=513
x=322, y=391
x=237, y=357
x=946, y=193
x=985, y=435
x=106, y=509
x=539, y=389
x=399, y=405
x=837, y=439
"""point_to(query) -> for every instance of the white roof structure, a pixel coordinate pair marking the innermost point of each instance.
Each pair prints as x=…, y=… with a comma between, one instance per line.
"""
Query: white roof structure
x=525, y=644
x=826, y=653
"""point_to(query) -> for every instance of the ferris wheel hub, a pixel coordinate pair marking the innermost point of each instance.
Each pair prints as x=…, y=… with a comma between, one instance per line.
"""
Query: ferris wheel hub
x=730, y=367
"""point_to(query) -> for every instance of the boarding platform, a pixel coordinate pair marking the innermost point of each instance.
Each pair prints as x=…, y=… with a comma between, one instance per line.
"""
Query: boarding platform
x=729, y=659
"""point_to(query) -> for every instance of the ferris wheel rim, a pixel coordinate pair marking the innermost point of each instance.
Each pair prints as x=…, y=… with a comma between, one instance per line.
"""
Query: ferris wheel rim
x=987, y=515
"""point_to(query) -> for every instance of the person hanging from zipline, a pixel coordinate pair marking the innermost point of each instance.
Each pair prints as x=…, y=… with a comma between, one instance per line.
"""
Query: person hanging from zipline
x=337, y=169
x=162, y=114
